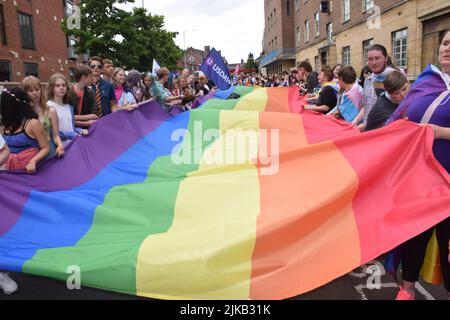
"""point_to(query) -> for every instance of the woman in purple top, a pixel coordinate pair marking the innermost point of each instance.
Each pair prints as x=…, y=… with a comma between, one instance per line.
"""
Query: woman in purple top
x=432, y=87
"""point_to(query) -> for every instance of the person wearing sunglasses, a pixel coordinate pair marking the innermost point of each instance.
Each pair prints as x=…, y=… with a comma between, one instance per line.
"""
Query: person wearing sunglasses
x=104, y=90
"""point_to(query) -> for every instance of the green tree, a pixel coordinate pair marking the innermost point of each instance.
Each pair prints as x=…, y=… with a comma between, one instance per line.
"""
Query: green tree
x=251, y=64
x=130, y=39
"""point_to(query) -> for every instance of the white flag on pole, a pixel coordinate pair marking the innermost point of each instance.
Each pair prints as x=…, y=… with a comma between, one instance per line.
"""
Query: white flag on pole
x=156, y=67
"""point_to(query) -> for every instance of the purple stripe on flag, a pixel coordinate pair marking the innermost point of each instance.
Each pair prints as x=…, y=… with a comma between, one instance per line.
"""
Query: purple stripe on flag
x=76, y=168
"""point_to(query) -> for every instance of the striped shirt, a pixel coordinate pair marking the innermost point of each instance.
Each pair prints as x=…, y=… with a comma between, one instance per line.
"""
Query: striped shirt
x=373, y=88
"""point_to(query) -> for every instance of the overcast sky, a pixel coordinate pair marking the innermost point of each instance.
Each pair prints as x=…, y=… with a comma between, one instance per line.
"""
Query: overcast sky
x=234, y=26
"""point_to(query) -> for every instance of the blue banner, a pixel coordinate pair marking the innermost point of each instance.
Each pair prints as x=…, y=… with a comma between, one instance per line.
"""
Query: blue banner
x=215, y=69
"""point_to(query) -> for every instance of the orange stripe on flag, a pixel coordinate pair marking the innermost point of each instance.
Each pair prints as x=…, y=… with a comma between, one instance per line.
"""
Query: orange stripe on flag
x=278, y=100
x=306, y=232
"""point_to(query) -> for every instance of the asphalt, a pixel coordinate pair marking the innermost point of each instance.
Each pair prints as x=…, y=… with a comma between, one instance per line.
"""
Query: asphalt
x=357, y=285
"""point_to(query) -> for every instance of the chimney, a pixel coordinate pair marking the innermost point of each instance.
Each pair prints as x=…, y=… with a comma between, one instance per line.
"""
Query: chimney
x=207, y=49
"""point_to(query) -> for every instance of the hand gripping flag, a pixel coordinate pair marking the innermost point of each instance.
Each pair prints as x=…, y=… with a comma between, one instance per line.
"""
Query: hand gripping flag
x=215, y=69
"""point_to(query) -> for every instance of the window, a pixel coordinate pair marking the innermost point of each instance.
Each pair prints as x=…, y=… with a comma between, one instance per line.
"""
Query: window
x=276, y=43
x=316, y=24
x=2, y=26
x=346, y=10
x=316, y=63
x=399, y=48
x=298, y=37
x=26, y=31
x=5, y=71
x=31, y=69
x=288, y=8
x=330, y=31
x=346, y=56
x=366, y=45
x=275, y=15
x=368, y=4
x=306, y=31
x=297, y=5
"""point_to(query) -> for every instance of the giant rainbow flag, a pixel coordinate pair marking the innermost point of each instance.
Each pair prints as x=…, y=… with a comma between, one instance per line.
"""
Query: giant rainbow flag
x=135, y=221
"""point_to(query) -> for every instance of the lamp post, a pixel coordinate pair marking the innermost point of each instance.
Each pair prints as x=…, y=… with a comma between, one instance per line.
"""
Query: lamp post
x=184, y=41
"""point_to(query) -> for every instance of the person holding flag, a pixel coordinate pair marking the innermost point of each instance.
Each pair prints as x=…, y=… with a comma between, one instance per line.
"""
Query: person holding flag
x=428, y=103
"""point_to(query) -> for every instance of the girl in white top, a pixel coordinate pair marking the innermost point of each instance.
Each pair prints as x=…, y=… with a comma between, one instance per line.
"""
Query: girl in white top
x=58, y=100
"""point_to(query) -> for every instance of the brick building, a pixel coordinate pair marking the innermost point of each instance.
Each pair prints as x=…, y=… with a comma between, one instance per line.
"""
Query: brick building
x=32, y=41
x=278, y=43
x=341, y=31
x=193, y=58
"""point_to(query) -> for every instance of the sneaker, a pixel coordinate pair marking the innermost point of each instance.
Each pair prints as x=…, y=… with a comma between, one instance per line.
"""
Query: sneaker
x=7, y=284
x=405, y=295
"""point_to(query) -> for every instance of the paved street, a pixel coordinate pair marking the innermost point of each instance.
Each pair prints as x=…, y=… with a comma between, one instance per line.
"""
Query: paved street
x=349, y=287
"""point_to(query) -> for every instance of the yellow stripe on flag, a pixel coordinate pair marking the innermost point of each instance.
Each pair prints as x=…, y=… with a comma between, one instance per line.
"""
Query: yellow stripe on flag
x=207, y=252
x=254, y=101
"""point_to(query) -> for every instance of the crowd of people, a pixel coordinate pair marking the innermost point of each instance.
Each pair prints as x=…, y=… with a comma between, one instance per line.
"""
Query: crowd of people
x=38, y=124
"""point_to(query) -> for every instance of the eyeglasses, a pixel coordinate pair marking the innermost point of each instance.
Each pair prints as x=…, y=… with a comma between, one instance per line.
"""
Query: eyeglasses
x=98, y=66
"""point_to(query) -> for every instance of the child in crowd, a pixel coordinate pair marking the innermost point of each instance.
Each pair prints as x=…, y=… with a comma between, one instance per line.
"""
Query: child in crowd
x=59, y=101
x=82, y=98
x=48, y=117
x=23, y=132
x=124, y=96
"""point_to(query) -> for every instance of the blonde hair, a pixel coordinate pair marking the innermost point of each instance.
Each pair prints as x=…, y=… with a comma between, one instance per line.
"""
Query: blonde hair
x=51, y=87
x=107, y=61
x=116, y=71
x=30, y=83
x=162, y=72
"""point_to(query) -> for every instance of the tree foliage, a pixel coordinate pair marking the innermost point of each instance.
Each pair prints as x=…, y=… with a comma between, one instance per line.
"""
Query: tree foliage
x=130, y=39
x=251, y=64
